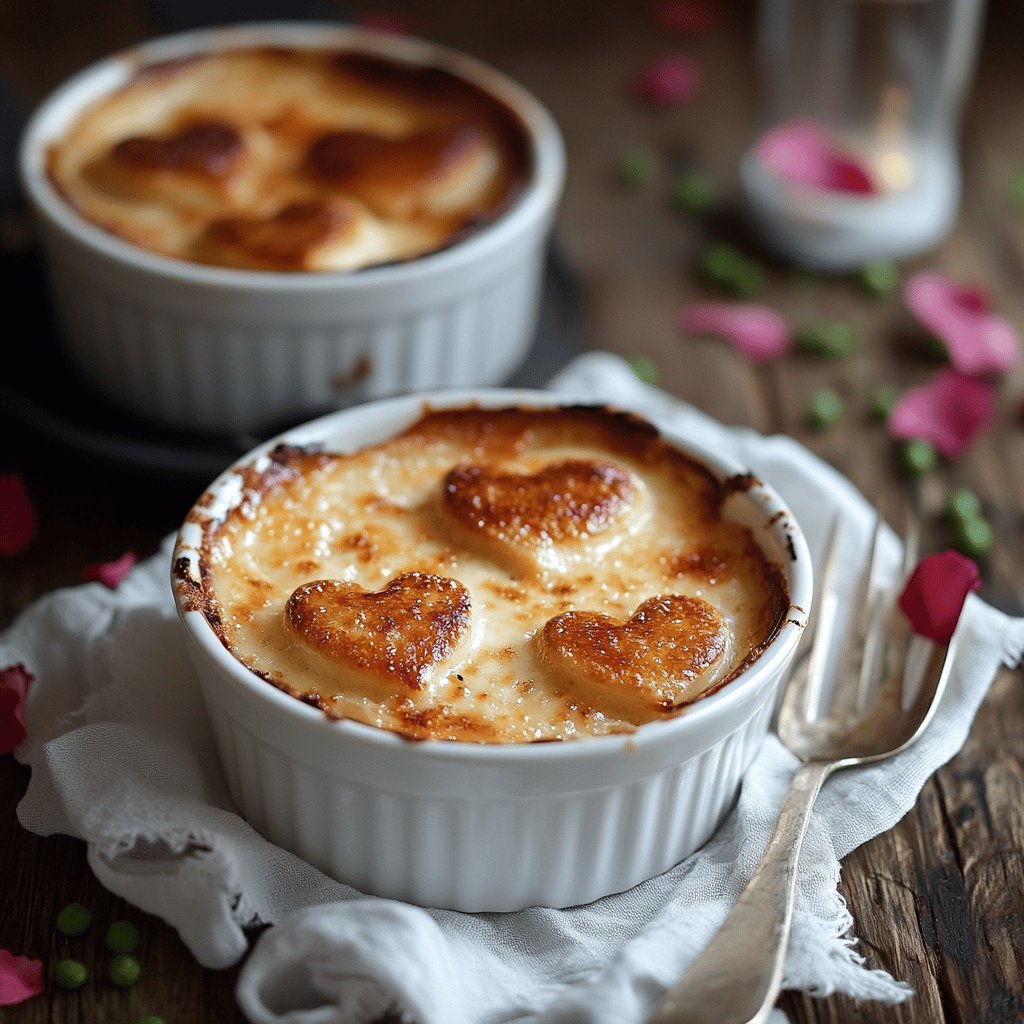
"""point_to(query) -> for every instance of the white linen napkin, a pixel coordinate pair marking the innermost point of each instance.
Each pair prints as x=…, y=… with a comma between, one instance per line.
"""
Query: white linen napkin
x=122, y=757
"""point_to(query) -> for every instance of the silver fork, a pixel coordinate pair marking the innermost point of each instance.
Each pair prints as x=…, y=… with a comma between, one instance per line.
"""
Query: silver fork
x=877, y=712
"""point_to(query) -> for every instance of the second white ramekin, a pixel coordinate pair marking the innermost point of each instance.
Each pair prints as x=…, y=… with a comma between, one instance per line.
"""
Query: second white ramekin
x=215, y=349
x=477, y=827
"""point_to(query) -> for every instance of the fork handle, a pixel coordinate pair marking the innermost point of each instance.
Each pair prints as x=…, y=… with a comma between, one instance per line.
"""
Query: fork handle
x=738, y=976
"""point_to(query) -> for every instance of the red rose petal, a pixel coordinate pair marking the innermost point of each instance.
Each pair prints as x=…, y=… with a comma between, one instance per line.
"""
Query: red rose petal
x=17, y=515
x=979, y=341
x=21, y=978
x=669, y=81
x=757, y=332
x=689, y=16
x=950, y=411
x=936, y=591
x=802, y=151
x=14, y=683
x=110, y=573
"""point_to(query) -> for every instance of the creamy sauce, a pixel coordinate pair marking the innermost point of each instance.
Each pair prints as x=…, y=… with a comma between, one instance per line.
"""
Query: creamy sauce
x=595, y=586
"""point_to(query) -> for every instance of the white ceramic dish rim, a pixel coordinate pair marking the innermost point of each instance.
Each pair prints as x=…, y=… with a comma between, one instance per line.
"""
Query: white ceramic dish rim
x=53, y=115
x=401, y=411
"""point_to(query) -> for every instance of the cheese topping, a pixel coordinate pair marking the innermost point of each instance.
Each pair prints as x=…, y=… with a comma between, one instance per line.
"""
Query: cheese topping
x=492, y=575
x=291, y=160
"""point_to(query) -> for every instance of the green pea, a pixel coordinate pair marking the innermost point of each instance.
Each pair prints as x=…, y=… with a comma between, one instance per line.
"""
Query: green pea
x=879, y=279
x=962, y=504
x=720, y=263
x=1017, y=191
x=636, y=167
x=973, y=537
x=830, y=340
x=749, y=281
x=918, y=457
x=70, y=974
x=824, y=409
x=645, y=369
x=122, y=937
x=694, y=193
x=882, y=402
x=124, y=970
x=74, y=919
x=728, y=268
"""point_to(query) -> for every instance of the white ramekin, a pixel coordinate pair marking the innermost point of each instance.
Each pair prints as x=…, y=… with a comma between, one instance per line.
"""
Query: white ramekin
x=215, y=349
x=478, y=827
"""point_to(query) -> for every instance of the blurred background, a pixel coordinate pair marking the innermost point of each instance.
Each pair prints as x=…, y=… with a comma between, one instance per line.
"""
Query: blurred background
x=653, y=186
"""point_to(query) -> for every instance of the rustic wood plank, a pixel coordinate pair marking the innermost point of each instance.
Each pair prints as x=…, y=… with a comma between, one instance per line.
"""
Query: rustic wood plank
x=937, y=901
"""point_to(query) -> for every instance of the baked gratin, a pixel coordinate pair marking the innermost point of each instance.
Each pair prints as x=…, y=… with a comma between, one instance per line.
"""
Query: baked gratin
x=501, y=576
x=288, y=159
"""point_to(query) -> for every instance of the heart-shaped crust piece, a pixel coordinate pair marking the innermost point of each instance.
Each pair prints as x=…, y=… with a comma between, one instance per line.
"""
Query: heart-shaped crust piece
x=291, y=237
x=397, y=176
x=394, y=635
x=209, y=148
x=651, y=663
x=563, y=502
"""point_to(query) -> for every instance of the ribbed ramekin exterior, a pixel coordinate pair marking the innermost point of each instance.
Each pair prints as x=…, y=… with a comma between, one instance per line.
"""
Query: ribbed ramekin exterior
x=228, y=351
x=187, y=367
x=483, y=827
x=474, y=853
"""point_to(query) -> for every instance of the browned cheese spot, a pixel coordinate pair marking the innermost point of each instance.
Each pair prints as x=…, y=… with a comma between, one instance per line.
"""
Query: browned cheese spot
x=707, y=563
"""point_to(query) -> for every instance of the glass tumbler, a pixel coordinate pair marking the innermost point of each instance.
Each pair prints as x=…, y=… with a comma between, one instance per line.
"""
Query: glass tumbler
x=856, y=155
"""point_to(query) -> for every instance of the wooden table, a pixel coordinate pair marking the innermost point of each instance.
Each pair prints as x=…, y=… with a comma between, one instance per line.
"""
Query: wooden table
x=937, y=901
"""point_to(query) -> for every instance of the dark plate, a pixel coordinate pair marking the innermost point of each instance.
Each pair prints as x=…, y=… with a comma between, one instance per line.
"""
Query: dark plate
x=53, y=411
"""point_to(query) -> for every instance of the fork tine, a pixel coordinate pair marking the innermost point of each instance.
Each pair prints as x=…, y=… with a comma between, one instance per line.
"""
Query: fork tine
x=911, y=545
x=875, y=615
x=884, y=626
x=918, y=654
x=805, y=689
x=920, y=703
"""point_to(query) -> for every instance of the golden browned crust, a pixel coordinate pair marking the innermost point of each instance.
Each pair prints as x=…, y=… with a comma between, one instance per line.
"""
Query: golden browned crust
x=346, y=579
x=207, y=147
x=652, y=658
x=394, y=176
x=235, y=142
x=283, y=240
x=563, y=501
x=397, y=633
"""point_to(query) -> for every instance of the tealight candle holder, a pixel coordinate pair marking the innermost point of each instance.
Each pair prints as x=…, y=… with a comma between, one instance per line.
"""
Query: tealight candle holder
x=856, y=156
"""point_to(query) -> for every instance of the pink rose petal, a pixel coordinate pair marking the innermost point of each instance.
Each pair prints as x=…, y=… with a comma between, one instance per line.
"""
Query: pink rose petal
x=14, y=683
x=756, y=332
x=17, y=515
x=689, y=16
x=802, y=151
x=21, y=978
x=669, y=81
x=950, y=411
x=935, y=594
x=110, y=573
x=979, y=341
